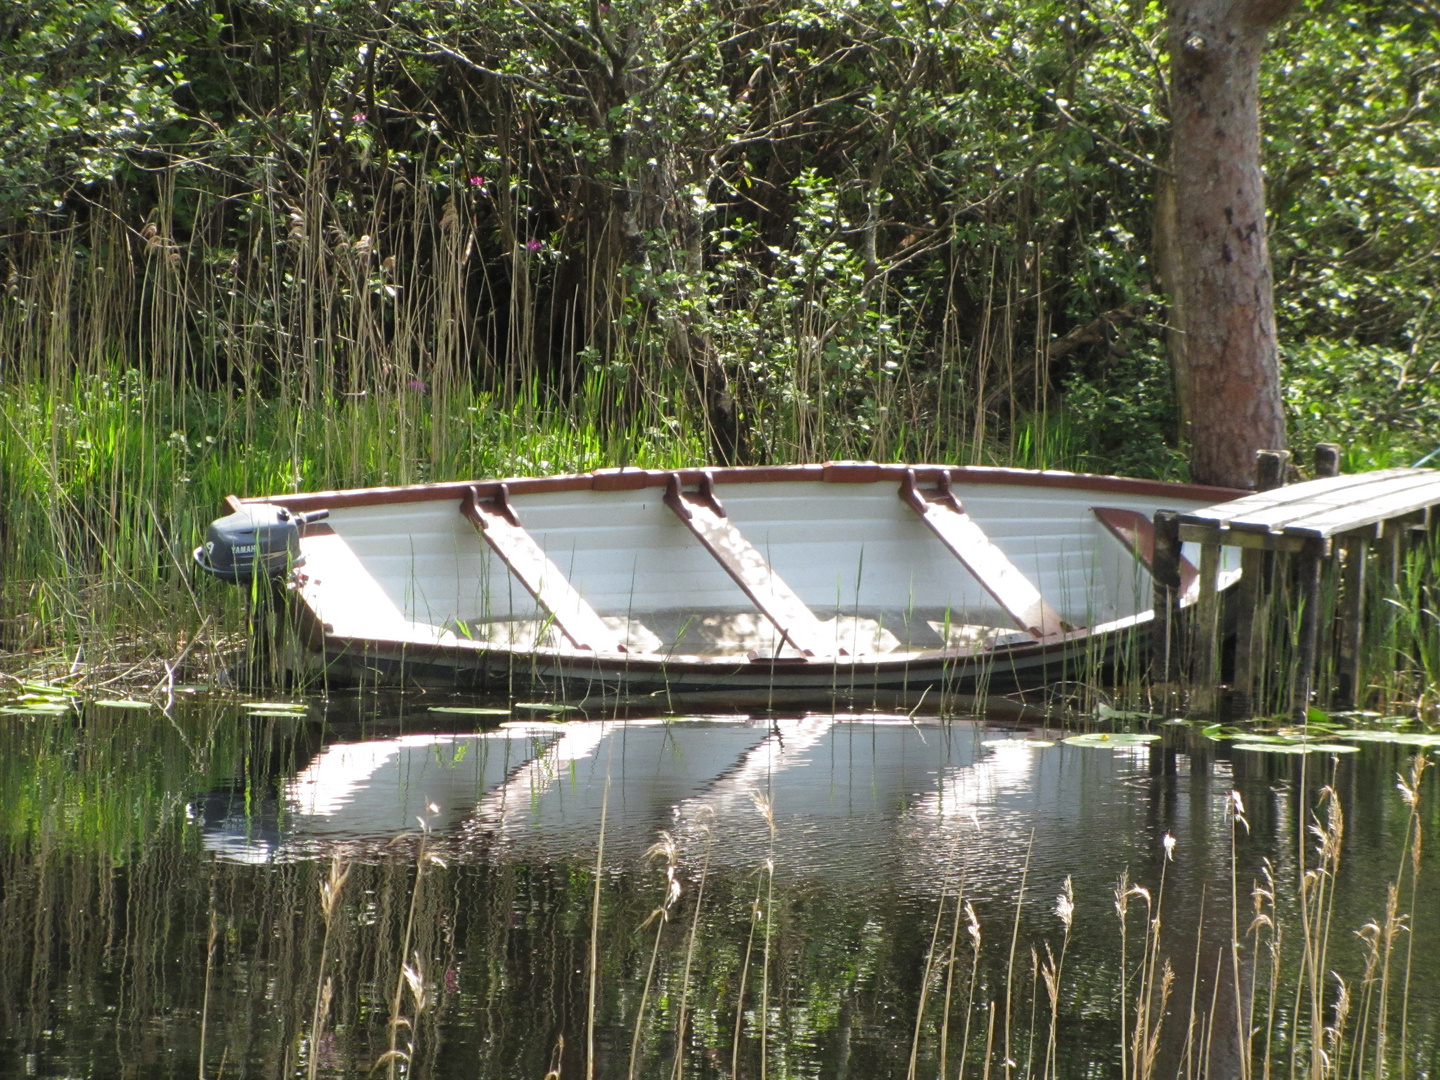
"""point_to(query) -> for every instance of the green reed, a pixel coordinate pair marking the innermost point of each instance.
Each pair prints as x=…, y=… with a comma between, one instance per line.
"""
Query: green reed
x=290, y=337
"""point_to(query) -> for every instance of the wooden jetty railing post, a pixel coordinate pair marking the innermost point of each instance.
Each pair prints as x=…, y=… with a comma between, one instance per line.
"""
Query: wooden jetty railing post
x=1206, y=674
x=1165, y=572
x=1329, y=646
x=1308, y=567
x=1352, y=622
x=1252, y=623
x=1388, y=555
x=1327, y=459
x=1270, y=469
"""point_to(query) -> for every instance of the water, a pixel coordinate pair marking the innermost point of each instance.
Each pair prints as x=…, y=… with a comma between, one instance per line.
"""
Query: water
x=161, y=900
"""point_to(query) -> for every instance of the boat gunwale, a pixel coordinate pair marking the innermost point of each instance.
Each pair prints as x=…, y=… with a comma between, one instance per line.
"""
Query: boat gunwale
x=833, y=472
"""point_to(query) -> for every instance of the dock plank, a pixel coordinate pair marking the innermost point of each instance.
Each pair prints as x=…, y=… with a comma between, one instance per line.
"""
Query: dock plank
x=1384, y=507
x=790, y=615
x=990, y=566
x=1350, y=503
x=1322, y=508
x=1274, y=508
x=545, y=581
x=1264, y=502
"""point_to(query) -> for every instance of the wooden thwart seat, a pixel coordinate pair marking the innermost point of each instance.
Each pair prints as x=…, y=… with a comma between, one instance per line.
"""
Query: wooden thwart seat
x=501, y=528
x=1137, y=533
x=1012, y=590
x=706, y=519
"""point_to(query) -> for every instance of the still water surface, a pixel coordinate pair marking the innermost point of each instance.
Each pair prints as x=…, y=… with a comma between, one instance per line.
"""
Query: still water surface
x=163, y=912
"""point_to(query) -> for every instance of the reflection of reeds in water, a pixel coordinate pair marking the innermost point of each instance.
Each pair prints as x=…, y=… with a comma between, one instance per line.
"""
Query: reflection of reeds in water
x=330, y=890
x=296, y=968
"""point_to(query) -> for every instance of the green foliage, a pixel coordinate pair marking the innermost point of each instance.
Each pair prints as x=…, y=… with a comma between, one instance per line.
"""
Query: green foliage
x=1381, y=402
x=83, y=87
x=319, y=235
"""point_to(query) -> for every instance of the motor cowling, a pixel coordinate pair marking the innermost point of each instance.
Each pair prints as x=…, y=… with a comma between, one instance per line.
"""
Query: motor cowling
x=261, y=541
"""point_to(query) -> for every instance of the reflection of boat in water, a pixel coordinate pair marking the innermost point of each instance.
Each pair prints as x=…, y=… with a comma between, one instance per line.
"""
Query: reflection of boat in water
x=514, y=787
x=362, y=794
x=846, y=791
x=822, y=578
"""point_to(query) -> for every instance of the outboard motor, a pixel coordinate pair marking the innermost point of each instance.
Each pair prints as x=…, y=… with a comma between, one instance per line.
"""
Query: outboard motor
x=260, y=541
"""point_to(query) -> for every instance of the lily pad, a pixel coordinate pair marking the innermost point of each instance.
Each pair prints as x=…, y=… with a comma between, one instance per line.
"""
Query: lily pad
x=34, y=710
x=275, y=706
x=1036, y=744
x=468, y=710
x=47, y=689
x=544, y=706
x=285, y=714
x=1112, y=740
x=123, y=703
x=1398, y=738
x=1295, y=748
x=1309, y=731
x=1105, y=712
x=536, y=726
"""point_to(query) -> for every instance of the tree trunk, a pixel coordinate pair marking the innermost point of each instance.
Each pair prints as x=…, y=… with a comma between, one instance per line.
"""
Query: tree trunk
x=1229, y=369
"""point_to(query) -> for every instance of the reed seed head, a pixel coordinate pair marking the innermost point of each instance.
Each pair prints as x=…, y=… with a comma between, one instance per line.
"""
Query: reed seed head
x=331, y=887
x=1051, y=977
x=1065, y=905
x=1237, y=810
x=415, y=980
x=765, y=806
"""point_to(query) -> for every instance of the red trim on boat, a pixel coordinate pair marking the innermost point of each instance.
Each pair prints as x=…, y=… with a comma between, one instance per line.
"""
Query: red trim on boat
x=834, y=472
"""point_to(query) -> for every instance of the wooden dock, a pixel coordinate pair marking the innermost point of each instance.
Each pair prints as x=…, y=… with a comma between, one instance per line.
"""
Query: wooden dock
x=1292, y=538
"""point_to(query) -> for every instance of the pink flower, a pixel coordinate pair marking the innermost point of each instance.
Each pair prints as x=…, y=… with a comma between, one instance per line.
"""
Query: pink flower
x=359, y=118
x=418, y=386
x=477, y=181
x=533, y=245
x=452, y=981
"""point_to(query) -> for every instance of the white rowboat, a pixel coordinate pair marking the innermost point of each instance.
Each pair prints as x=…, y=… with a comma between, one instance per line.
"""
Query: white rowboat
x=813, y=577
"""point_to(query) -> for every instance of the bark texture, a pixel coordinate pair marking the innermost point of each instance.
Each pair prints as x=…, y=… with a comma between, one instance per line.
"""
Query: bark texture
x=1229, y=369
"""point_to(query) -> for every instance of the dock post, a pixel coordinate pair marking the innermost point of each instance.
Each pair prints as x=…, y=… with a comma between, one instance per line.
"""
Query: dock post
x=1252, y=623
x=1388, y=555
x=1352, y=623
x=1327, y=459
x=1207, y=633
x=1308, y=574
x=1165, y=572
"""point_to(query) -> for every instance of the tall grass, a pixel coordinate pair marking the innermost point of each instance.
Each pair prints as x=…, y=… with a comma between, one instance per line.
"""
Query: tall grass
x=314, y=340
x=1404, y=661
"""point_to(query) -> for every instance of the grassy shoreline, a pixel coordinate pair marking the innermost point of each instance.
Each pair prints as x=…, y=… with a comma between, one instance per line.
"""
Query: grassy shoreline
x=108, y=481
